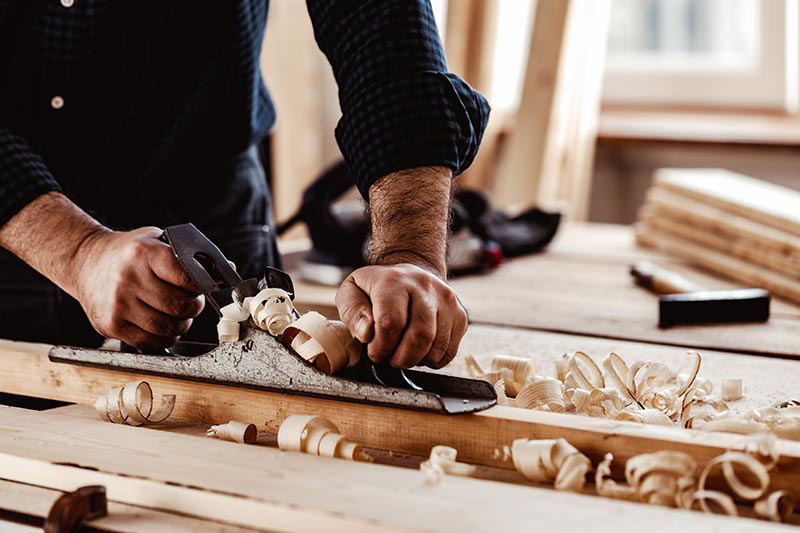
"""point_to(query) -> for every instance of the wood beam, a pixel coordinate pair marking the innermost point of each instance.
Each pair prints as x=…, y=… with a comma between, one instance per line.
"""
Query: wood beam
x=283, y=491
x=29, y=372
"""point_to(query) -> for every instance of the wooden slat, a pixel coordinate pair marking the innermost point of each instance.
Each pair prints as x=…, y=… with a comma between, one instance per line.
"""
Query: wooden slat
x=752, y=198
x=36, y=502
x=300, y=483
x=550, y=151
x=475, y=436
x=728, y=265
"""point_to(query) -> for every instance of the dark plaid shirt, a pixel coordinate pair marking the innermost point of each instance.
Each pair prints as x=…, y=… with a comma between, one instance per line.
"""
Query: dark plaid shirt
x=101, y=98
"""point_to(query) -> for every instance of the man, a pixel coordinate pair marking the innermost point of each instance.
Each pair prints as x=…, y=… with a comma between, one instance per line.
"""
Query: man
x=135, y=116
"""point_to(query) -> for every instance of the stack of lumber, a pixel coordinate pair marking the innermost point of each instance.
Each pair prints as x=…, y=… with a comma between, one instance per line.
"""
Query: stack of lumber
x=741, y=227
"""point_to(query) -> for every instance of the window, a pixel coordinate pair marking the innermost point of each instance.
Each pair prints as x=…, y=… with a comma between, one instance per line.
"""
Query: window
x=708, y=53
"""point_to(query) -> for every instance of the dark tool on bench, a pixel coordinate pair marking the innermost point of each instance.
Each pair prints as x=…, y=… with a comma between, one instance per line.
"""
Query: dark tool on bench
x=683, y=302
x=73, y=509
x=260, y=361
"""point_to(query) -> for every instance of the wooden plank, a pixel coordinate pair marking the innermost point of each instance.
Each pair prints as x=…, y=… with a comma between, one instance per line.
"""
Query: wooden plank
x=300, y=482
x=748, y=250
x=723, y=223
x=730, y=266
x=551, y=149
x=475, y=436
x=753, y=198
x=36, y=502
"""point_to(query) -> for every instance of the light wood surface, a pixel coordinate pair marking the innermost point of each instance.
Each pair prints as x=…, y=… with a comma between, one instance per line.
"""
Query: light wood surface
x=551, y=148
x=361, y=494
x=581, y=284
x=27, y=371
x=36, y=502
x=750, y=197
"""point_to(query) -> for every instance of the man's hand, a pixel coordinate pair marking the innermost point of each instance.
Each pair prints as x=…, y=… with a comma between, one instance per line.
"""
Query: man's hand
x=133, y=289
x=129, y=283
x=402, y=306
x=408, y=315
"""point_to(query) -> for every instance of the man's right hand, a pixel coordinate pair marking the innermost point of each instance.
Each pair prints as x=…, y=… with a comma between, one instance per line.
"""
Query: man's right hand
x=133, y=289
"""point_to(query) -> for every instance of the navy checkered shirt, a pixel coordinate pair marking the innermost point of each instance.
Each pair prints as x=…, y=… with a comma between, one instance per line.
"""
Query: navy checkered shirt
x=99, y=97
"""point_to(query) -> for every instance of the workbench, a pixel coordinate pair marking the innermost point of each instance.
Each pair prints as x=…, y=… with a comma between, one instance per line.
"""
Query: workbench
x=576, y=296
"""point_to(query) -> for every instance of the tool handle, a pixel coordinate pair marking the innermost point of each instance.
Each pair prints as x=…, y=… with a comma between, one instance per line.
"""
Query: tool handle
x=660, y=280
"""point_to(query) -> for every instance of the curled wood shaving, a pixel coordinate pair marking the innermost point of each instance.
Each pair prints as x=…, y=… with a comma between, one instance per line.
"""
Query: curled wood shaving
x=728, y=461
x=234, y=431
x=325, y=343
x=604, y=403
x=703, y=497
x=552, y=461
x=545, y=394
x=522, y=369
x=474, y=369
x=442, y=461
x=316, y=435
x=698, y=408
x=583, y=372
x=500, y=390
x=609, y=488
x=661, y=477
x=778, y=506
x=784, y=423
x=272, y=310
x=133, y=405
x=644, y=416
x=731, y=389
x=228, y=326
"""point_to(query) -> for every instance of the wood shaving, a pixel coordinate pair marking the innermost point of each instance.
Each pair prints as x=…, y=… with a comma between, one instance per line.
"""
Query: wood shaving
x=228, y=326
x=272, y=310
x=546, y=395
x=442, y=461
x=522, y=369
x=778, y=506
x=609, y=488
x=703, y=497
x=325, y=343
x=133, y=405
x=644, y=416
x=661, y=477
x=583, y=372
x=728, y=461
x=316, y=435
x=731, y=389
x=234, y=431
x=550, y=461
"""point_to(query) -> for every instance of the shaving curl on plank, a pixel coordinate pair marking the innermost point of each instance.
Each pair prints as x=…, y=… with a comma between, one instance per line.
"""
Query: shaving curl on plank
x=316, y=435
x=132, y=404
x=442, y=461
x=645, y=392
x=234, y=431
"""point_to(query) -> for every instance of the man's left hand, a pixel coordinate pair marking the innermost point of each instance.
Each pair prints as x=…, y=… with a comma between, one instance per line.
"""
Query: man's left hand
x=408, y=315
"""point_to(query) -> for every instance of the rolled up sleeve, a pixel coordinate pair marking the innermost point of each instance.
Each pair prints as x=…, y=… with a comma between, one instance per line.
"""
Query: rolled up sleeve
x=23, y=175
x=400, y=107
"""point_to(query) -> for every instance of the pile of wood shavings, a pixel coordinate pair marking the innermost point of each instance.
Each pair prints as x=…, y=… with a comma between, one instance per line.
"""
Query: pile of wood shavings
x=646, y=392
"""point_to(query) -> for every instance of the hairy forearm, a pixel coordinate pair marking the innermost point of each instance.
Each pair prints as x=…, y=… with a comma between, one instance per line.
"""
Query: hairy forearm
x=47, y=234
x=409, y=211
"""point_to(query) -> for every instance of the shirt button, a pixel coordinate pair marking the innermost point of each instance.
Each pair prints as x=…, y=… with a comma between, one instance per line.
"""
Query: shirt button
x=57, y=102
x=67, y=3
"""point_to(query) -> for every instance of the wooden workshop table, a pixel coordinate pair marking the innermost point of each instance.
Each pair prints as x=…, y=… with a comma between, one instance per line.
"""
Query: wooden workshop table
x=578, y=295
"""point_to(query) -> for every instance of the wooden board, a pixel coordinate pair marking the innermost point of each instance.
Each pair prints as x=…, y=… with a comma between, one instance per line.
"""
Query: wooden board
x=374, y=496
x=35, y=502
x=750, y=197
x=475, y=436
x=581, y=284
x=731, y=266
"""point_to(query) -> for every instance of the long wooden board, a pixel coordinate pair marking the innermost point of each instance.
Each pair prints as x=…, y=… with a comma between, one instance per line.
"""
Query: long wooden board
x=750, y=197
x=32, y=501
x=475, y=436
x=71, y=452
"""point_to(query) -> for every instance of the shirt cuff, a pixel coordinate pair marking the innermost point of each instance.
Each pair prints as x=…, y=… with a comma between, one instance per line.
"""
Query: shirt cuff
x=23, y=175
x=425, y=119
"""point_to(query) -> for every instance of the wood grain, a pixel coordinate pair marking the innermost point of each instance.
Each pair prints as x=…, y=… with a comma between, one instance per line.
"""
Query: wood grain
x=475, y=436
x=36, y=501
x=362, y=494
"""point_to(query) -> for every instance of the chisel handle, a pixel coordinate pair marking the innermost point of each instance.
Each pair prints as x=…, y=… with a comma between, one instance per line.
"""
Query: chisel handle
x=660, y=280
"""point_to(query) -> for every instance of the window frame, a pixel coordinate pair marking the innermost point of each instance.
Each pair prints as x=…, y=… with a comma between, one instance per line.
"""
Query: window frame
x=772, y=84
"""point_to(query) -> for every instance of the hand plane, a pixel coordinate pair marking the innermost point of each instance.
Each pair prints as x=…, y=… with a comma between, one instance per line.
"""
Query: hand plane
x=260, y=361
